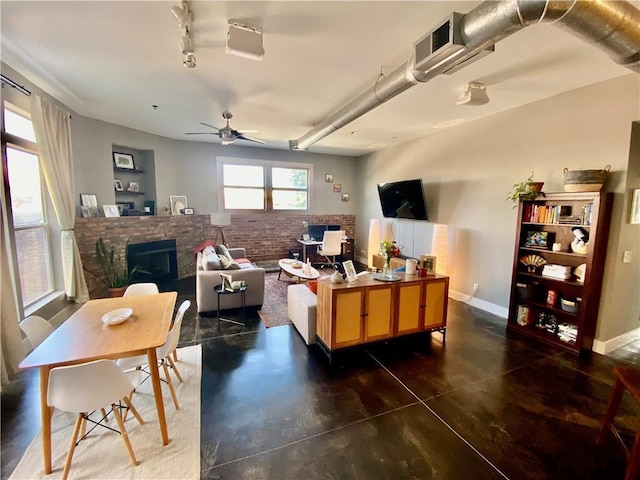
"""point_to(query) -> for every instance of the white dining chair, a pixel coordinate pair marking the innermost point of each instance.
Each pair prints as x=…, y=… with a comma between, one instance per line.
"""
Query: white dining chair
x=36, y=329
x=87, y=387
x=163, y=353
x=141, y=289
x=331, y=245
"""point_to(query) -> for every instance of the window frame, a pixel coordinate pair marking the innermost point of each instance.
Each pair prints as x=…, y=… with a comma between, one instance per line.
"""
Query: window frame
x=268, y=188
x=15, y=142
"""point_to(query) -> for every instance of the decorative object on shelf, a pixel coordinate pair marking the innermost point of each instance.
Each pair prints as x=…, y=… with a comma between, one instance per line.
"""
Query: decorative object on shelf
x=580, y=271
x=328, y=177
x=149, y=207
x=585, y=180
x=537, y=239
x=388, y=250
x=524, y=315
x=569, y=305
x=350, y=271
x=556, y=247
x=188, y=211
x=337, y=187
x=134, y=187
x=118, y=186
x=579, y=244
x=111, y=211
x=123, y=160
x=178, y=204
x=532, y=262
x=548, y=322
x=89, y=205
x=527, y=190
x=345, y=197
x=124, y=207
x=635, y=207
x=428, y=264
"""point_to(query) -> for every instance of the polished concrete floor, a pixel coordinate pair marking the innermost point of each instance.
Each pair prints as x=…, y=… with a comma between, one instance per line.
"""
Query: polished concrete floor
x=486, y=404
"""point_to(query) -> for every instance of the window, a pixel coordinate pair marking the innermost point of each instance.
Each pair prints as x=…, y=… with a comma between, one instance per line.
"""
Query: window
x=31, y=231
x=266, y=186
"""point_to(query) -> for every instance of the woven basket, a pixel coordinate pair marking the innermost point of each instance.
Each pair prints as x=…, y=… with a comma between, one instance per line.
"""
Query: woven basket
x=585, y=180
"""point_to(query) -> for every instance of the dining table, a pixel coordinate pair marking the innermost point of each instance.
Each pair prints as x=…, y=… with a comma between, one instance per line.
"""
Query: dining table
x=85, y=337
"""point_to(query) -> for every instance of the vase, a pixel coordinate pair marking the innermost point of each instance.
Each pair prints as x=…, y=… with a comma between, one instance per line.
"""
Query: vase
x=386, y=269
x=117, y=291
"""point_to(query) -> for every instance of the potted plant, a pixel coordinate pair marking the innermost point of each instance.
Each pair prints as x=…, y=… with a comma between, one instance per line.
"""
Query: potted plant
x=527, y=190
x=115, y=273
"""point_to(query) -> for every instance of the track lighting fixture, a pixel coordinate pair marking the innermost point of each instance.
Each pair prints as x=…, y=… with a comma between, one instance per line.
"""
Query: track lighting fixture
x=183, y=14
x=187, y=47
x=189, y=60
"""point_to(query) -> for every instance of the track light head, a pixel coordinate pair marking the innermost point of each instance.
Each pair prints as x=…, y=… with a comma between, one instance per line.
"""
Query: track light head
x=189, y=60
x=187, y=47
x=183, y=14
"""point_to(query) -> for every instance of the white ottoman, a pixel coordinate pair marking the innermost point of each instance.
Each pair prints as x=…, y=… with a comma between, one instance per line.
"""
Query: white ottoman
x=301, y=307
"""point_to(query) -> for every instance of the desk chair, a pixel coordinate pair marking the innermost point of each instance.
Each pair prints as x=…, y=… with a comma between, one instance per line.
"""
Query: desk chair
x=331, y=245
x=36, y=329
x=627, y=378
x=141, y=289
x=87, y=387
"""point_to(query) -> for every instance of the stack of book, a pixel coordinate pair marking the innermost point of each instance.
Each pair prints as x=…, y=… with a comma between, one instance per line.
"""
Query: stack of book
x=567, y=332
x=561, y=272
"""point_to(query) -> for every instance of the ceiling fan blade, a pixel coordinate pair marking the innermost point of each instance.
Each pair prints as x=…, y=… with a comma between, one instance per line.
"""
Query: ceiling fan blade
x=207, y=125
x=244, y=137
x=247, y=131
x=201, y=133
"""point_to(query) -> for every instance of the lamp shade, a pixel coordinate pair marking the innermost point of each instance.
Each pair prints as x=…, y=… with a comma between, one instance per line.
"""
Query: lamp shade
x=440, y=247
x=220, y=219
x=373, y=246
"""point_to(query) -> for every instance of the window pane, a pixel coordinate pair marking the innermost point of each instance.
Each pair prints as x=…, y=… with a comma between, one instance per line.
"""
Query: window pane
x=243, y=176
x=26, y=191
x=18, y=125
x=243, y=198
x=33, y=263
x=289, y=178
x=289, y=200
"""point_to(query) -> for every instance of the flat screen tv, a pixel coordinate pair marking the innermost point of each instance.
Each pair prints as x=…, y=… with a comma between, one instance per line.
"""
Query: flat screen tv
x=403, y=199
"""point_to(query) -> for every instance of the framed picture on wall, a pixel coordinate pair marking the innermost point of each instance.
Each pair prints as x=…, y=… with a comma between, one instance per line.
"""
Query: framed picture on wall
x=118, y=185
x=123, y=160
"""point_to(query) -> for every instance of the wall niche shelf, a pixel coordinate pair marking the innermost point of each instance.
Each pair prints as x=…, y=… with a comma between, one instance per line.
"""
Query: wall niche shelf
x=127, y=170
x=119, y=192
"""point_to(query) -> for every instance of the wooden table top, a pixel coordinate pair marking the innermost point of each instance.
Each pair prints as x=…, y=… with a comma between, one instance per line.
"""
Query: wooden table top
x=85, y=337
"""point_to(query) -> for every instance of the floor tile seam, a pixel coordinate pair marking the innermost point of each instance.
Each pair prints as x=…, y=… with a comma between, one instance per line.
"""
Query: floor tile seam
x=454, y=431
x=315, y=435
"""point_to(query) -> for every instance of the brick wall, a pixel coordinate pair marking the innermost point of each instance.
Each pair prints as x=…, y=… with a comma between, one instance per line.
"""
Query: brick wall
x=266, y=236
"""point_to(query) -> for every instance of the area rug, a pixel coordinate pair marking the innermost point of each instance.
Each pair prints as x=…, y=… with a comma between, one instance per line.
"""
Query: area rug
x=102, y=454
x=274, y=306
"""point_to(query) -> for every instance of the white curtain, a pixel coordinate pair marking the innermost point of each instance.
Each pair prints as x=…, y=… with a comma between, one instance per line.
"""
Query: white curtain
x=53, y=135
x=11, y=340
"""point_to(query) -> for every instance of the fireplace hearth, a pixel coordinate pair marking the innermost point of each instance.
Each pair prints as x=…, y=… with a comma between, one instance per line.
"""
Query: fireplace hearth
x=157, y=262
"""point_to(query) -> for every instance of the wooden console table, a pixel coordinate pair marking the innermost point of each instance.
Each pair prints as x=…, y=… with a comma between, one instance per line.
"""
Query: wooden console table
x=370, y=310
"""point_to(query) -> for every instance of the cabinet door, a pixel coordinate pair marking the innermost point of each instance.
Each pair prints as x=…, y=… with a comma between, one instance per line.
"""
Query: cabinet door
x=378, y=313
x=348, y=318
x=435, y=312
x=409, y=317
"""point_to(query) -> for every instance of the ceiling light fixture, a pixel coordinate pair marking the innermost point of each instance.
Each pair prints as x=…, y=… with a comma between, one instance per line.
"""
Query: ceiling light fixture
x=183, y=14
x=189, y=60
x=244, y=40
x=187, y=47
x=474, y=94
x=185, y=18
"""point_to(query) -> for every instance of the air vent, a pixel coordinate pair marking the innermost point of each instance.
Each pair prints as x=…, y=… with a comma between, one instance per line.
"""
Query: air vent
x=440, y=43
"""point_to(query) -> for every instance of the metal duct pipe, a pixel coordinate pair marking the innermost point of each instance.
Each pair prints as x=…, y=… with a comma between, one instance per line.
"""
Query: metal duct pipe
x=610, y=25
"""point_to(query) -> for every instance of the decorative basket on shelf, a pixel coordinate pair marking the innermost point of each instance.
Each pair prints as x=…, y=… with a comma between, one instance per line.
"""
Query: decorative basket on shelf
x=585, y=180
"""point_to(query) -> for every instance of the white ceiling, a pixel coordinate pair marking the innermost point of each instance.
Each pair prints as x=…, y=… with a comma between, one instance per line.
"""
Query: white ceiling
x=113, y=60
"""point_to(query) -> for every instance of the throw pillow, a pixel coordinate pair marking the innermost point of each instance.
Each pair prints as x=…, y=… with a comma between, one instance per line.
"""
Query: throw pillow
x=210, y=259
x=223, y=250
x=203, y=245
x=312, y=285
x=227, y=263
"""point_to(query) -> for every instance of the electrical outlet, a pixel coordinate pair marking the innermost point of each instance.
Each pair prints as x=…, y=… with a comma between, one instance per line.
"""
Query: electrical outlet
x=475, y=288
x=626, y=257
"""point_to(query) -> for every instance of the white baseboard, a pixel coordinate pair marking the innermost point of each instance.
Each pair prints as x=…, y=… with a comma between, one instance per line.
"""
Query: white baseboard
x=608, y=346
x=481, y=304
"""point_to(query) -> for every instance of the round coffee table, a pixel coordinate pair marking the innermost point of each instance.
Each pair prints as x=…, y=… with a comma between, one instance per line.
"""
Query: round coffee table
x=295, y=269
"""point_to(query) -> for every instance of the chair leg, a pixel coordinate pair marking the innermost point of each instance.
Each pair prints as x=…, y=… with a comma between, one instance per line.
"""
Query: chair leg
x=83, y=426
x=170, y=383
x=104, y=415
x=133, y=410
x=175, y=355
x=72, y=446
x=614, y=403
x=175, y=369
x=123, y=434
x=633, y=462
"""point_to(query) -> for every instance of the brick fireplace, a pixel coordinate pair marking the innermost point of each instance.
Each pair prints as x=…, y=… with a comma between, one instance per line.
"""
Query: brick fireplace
x=266, y=236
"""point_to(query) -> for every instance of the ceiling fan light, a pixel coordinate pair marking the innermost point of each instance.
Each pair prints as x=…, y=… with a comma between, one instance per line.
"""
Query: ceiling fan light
x=227, y=141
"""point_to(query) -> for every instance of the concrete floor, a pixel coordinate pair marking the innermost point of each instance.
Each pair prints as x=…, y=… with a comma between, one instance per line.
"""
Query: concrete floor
x=487, y=404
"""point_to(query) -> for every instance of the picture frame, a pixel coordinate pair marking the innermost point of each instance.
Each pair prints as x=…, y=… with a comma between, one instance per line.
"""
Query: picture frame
x=88, y=200
x=345, y=197
x=178, y=204
x=133, y=187
x=111, y=211
x=635, y=207
x=337, y=187
x=123, y=160
x=328, y=177
x=188, y=211
x=118, y=185
x=124, y=206
x=536, y=239
x=227, y=282
x=85, y=212
x=428, y=263
x=350, y=271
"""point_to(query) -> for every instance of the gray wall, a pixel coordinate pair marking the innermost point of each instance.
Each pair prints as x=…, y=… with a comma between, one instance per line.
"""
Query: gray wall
x=468, y=171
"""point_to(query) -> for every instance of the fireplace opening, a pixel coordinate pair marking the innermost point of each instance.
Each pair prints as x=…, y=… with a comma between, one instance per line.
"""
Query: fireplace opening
x=157, y=262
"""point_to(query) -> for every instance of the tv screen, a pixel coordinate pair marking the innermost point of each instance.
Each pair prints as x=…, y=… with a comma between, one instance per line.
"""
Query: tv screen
x=403, y=199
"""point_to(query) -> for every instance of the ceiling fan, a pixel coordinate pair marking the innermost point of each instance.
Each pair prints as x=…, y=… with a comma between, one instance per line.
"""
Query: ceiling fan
x=227, y=134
